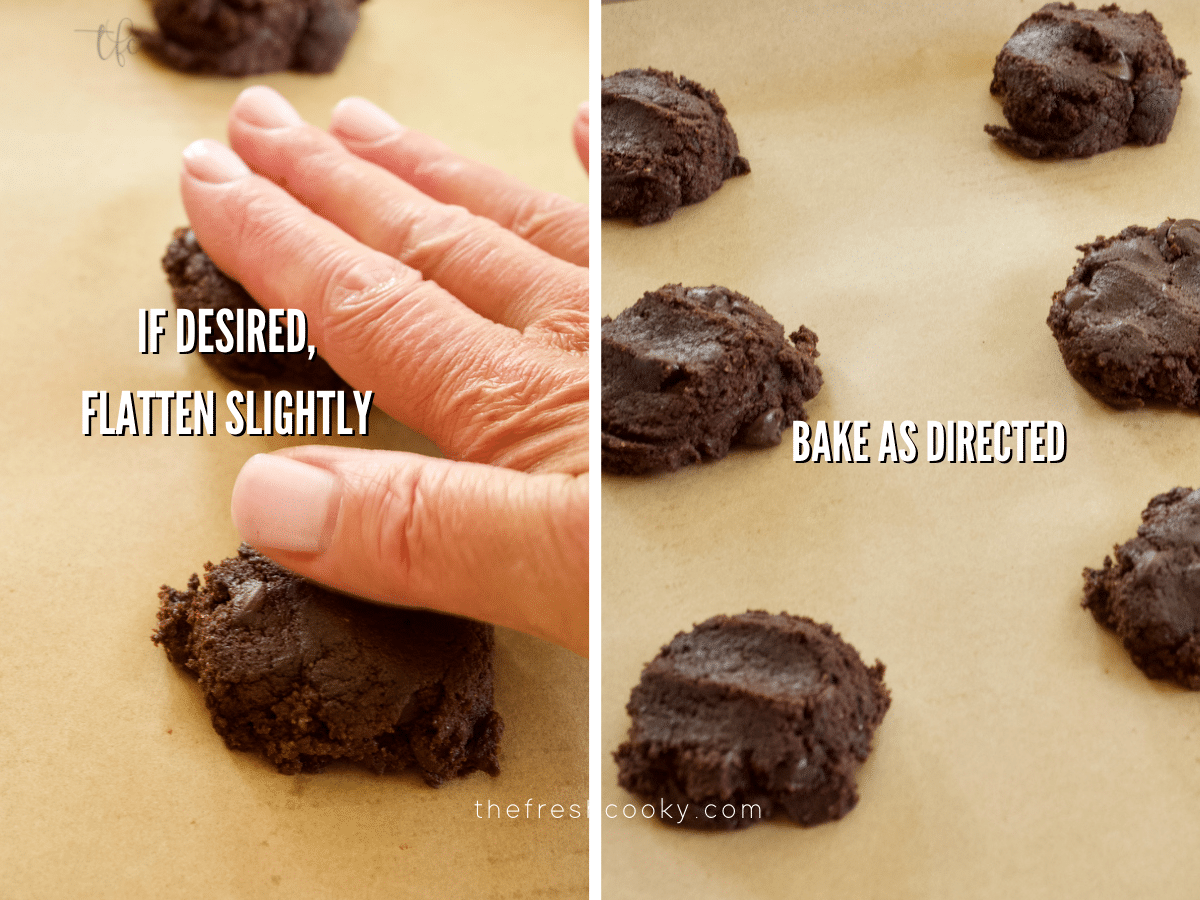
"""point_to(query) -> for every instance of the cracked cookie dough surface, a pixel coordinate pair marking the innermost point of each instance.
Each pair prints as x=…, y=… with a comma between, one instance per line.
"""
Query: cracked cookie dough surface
x=665, y=142
x=305, y=676
x=688, y=372
x=749, y=715
x=1150, y=594
x=1128, y=321
x=1076, y=82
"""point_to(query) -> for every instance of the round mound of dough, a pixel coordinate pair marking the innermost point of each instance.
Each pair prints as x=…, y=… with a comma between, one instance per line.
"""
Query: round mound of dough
x=1150, y=595
x=1076, y=82
x=665, y=142
x=250, y=37
x=751, y=715
x=688, y=372
x=307, y=677
x=1128, y=321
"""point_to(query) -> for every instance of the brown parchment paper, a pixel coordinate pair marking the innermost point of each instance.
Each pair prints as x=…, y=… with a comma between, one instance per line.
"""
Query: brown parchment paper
x=112, y=780
x=1024, y=755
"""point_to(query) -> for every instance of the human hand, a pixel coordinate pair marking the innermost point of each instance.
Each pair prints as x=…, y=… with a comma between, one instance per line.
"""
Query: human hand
x=460, y=296
x=580, y=132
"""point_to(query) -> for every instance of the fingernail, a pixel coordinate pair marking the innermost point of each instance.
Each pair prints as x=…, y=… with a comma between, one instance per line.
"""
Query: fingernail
x=285, y=504
x=265, y=107
x=584, y=112
x=213, y=162
x=361, y=120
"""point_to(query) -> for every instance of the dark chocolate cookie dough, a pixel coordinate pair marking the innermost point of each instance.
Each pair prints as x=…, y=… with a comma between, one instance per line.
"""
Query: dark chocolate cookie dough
x=1151, y=595
x=250, y=37
x=688, y=372
x=749, y=715
x=1128, y=321
x=306, y=676
x=1076, y=82
x=196, y=283
x=665, y=142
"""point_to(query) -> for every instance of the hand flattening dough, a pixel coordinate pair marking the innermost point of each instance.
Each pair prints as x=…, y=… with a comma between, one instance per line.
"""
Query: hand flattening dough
x=1079, y=82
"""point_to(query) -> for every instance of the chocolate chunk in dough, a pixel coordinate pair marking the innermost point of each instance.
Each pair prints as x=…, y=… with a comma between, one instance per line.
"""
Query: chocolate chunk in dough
x=196, y=283
x=306, y=676
x=688, y=372
x=1076, y=82
x=665, y=142
x=749, y=715
x=1151, y=595
x=250, y=37
x=1128, y=321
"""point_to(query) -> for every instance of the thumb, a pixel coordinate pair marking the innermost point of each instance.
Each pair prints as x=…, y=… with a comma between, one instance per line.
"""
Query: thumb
x=468, y=539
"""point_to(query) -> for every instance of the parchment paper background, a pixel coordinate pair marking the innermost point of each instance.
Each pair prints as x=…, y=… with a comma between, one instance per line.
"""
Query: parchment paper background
x=112, y=781
x=1024, y=755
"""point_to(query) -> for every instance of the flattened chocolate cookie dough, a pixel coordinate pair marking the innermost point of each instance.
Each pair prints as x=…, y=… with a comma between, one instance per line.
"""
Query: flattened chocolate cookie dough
x=305, y=676
x=688, y=372
x=750, y=715
x=1076, y=82
x=196, y=283
x=1151, y=595
x=1128, y=321
x=250, y=37
x=665, y=142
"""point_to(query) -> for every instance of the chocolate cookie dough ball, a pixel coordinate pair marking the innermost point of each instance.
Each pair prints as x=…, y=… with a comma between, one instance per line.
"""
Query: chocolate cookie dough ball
x=250, y=37
x=750, y=715
x=1128, y=321
x=665, y=142
x=305, y=676
x=1077, y=82
x=688, y=372
x=1150, y=596
x=197, y=283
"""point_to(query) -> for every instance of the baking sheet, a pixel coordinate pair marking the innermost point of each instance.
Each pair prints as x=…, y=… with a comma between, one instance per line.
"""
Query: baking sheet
x=112, y=781
x=1024, y=755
